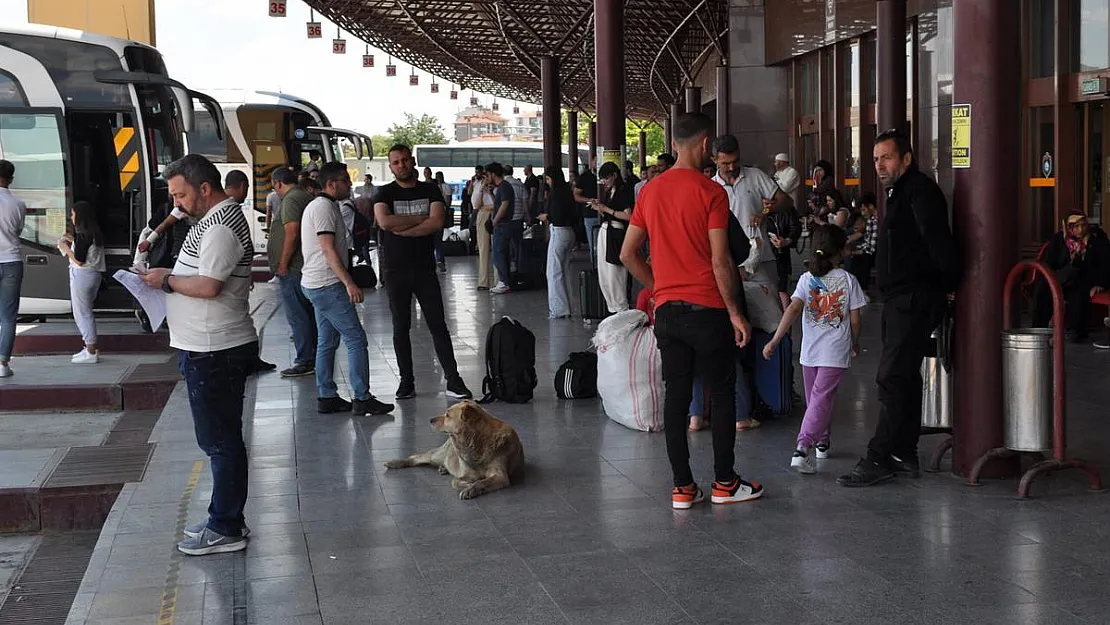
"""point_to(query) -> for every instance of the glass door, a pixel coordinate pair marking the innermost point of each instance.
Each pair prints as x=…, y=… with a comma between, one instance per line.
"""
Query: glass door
x=1096, y=159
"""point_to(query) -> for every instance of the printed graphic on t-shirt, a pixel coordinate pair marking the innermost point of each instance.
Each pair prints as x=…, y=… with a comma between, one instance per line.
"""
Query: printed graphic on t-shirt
x=407, y=208
x=827, y=301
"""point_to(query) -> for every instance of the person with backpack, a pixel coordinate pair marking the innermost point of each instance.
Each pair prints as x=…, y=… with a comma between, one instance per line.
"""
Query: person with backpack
x=410, y=214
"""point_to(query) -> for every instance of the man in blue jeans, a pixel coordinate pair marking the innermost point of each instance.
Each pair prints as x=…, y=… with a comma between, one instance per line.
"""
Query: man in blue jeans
x=585, y=190
x=210, y=323
x=13, y=212
x=505, y=228
x=333, y=293
x=286, y=262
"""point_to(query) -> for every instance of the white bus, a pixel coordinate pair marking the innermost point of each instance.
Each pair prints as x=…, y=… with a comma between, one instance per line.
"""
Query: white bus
x=267, y=130
x=85, y=117
x=457, y=160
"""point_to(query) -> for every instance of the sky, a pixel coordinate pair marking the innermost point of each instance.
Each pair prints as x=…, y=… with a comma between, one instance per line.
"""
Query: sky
x=244, y=48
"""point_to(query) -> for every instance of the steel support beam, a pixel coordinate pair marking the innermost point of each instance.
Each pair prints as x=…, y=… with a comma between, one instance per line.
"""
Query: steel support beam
x=643, y=149
x=572, y=140
x=552, y=119
x=722, y=100
x=693, y=99
x=890, y=48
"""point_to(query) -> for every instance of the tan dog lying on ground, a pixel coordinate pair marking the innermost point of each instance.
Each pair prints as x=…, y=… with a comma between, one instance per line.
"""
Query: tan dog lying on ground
x=482, y=452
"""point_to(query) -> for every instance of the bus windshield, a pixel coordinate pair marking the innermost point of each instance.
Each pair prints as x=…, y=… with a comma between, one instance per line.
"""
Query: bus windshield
x=162, y=123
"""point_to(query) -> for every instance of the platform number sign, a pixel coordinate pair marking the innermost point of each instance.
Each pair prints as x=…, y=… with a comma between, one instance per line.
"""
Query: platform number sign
x=339, y=46
x=277, y=8
x=435, y=87
x=368, y=60
x=454, y=95
x=391, y=70
x=473, y=100
x=414, y=80
x=315, y=30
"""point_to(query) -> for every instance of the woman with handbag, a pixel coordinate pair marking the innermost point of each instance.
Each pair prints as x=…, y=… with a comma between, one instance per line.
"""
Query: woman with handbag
x=614, y=207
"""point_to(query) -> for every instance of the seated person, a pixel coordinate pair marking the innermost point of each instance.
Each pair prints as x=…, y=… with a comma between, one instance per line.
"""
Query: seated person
x=1080, y=258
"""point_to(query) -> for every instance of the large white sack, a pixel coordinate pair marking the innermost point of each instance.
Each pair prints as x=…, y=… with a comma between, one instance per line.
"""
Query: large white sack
x=630, y=371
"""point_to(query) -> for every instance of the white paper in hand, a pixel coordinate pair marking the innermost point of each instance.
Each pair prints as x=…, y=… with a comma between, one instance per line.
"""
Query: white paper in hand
x=152, y=300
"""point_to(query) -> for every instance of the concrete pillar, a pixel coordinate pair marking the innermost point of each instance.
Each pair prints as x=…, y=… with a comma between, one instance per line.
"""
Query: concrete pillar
x=986, y=78
x=722, y=100
x=693, y=99
x=572, y=140
x=552, y=119
x=643, y=149
x=609, y=72
x=890, y=48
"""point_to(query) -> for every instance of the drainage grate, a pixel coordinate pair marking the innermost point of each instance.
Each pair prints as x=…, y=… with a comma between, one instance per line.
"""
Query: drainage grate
x=88, y=466
x=44, y=592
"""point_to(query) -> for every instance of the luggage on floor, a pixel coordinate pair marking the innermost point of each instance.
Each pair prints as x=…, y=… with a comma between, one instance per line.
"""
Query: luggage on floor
x=456, y=242
x=577, y=377
x=364, y=275
x=531, y=270
x=590, y=300
x=630, y=379
x=510, y=363
x=774, y=378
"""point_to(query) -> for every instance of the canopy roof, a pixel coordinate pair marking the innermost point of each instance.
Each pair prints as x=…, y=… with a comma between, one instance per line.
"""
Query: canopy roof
x=495, y=47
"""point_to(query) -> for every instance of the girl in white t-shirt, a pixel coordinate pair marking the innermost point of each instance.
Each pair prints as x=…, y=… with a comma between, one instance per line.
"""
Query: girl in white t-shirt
x=829, y=299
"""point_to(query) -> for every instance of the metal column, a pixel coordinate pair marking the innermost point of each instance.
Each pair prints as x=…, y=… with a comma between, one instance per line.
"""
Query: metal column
x=643, y=149
x=572, y=140
x=722, y=100
x=609, y=72
x=890, y=48
x=593, y=144
x=676, y=110
x=668, y=133
x=986, y=78
x=552, y=118
x=693, y=99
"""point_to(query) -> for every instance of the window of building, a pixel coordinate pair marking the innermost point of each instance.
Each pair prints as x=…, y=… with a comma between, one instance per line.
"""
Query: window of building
x=1094, y=35
x=851, y=74
x=872, y=70
x=1039, y=223
x=1042, y=38
x=810, y=85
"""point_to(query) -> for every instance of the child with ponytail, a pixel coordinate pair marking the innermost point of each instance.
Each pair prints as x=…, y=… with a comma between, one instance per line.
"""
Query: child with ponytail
x=829, y=299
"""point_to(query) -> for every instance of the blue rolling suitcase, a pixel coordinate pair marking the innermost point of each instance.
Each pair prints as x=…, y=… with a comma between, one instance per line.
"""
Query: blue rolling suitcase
x=774, y=378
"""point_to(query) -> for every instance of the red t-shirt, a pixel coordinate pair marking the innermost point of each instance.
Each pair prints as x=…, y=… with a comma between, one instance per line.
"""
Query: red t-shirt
x=678, y=209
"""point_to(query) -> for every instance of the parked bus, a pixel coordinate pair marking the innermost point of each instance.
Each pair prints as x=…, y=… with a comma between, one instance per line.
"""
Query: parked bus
x=457, y=160
x=267, y=130
x=90, y=118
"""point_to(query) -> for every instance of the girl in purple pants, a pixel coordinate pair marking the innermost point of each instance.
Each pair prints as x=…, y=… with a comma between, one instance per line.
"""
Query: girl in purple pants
x=828, y=299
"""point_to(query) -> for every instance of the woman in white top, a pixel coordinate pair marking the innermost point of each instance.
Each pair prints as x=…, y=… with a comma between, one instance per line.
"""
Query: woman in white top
x=85, y=251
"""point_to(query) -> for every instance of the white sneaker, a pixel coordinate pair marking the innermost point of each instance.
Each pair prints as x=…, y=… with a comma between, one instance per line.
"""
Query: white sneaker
x=83, y=357
x=500, y=289
x=5, y=371
x=803, y=462
x=822, y=450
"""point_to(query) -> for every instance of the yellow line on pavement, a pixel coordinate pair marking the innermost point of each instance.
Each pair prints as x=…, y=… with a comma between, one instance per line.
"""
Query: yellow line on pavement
x=169, y=591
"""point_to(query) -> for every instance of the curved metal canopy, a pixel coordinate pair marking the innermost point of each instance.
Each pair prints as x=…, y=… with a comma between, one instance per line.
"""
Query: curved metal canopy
x=495, y=47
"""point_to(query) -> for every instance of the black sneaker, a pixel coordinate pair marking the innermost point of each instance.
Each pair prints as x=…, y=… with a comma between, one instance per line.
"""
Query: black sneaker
x=329, y=405
x=442, y=266
x=407, y=390
x=866, y=473
x=297, y=371
x=261, y=366
x=370, y=406
x=456, y=389
x=911, y=467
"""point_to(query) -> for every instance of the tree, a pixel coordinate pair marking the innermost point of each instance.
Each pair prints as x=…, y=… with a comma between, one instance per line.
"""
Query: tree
x=631, y=136
x=415, y=131
x=381, y=144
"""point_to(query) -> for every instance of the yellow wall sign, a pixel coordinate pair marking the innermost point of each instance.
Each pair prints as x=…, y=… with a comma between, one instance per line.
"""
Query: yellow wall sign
x=961, y=136
x=613, y=156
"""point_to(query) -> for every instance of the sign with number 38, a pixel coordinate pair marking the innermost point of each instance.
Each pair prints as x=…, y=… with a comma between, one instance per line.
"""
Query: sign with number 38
x=277, y=8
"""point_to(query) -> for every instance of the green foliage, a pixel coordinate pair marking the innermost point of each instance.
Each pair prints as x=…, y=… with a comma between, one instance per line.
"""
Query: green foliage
x=631, y=136
x=415, y=131
x=381, y=144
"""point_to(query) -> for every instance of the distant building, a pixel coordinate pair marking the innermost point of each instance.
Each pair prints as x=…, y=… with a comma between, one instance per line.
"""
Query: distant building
x=479, y=123
x=526, y=126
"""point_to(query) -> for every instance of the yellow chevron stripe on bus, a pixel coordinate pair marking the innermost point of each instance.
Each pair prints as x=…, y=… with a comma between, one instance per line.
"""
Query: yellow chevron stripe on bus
x=125, y=142
x=123, y=137
x=128, y=171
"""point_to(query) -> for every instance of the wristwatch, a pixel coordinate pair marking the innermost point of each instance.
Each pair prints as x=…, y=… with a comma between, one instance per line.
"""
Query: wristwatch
x=166, y=283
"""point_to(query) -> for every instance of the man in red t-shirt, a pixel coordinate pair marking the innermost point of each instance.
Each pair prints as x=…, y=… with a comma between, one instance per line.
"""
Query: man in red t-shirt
x=698, y=322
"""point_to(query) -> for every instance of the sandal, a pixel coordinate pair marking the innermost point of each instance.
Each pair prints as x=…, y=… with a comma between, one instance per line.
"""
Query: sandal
x=749, y=424
x=696, y=424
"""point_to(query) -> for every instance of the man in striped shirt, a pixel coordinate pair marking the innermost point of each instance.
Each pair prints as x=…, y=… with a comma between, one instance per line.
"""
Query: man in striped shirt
x=210, y=323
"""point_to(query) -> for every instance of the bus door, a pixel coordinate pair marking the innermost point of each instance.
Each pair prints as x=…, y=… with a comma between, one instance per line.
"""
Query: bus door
x=31, y=137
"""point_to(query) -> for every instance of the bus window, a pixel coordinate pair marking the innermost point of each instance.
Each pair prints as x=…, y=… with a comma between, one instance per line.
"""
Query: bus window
x=11, y=94
x=466, y=158
x=496, y=155
x=72, y=65
x=435, y=157
x=523, y=157
x=204, y=139
x=33, y=143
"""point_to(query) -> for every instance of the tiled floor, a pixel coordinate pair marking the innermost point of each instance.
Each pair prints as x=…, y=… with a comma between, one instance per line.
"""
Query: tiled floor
x=589, y=537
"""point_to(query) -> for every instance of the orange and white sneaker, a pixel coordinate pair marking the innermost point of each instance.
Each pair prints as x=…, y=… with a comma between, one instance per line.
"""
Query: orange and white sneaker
x=736, y=491
x=682, y=497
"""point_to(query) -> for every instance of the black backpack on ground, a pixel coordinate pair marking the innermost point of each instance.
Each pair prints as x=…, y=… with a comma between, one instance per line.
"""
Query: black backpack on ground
x=510, y=363
x=577, y=377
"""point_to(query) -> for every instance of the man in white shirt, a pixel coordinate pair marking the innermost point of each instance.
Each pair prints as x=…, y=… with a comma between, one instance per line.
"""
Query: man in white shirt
x=13, y=213
x=325, y=243
x=788, y=178
x=210, y=323
x=752, y=195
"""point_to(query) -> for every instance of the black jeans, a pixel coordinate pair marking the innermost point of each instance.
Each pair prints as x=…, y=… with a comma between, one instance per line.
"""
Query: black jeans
x=216, y=381
x=694, y=339
x=783, y=264
x=401, y=285
x=908, y=320
x=860, y=267
x=1077, y=306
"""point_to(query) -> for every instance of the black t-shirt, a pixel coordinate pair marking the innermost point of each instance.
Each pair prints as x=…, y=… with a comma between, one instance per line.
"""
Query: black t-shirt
x=561, y=207
x=587, y=184
x=504, y=193
x=398, y=251
x=533, y=183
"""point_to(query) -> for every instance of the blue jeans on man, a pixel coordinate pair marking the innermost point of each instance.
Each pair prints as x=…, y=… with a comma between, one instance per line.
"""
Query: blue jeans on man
x=506, y=235
x=336, y=316
x=740, y=392
x=11, y=280
x=215, y=382
x=301, y=318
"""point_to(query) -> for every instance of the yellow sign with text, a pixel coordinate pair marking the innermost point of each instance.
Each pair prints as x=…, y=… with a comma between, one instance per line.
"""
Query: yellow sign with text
x=961, y=136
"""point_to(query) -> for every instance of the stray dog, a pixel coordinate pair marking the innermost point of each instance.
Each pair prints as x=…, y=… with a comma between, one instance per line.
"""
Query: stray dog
x=482, y=453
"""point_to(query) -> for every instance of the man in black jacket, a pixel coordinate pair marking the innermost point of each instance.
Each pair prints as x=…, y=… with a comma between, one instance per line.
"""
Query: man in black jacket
x=917, y=268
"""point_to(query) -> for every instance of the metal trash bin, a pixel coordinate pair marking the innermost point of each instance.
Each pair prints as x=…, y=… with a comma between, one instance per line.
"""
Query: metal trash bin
x=936, y=390
x=1027, y=388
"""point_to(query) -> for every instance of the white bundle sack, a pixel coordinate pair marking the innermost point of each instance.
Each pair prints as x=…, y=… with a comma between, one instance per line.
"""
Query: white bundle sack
x=630, y=371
